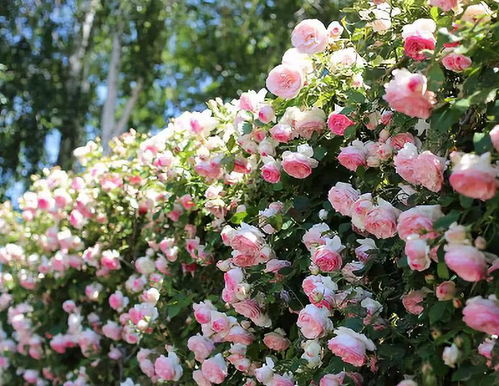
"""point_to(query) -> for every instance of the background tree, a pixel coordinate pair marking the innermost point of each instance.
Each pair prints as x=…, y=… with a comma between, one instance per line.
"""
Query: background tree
x=76, y=69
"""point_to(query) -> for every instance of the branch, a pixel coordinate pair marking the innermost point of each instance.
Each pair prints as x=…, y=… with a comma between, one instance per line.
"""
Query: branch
x=120, y=127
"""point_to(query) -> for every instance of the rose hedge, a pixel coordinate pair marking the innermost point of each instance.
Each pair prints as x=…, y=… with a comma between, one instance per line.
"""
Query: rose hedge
x=345, y=232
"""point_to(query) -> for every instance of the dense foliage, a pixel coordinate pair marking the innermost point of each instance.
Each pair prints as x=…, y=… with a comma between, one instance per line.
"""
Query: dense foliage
x=344, y=232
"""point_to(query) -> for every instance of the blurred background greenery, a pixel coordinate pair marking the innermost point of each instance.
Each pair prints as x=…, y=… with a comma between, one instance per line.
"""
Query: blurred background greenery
x=71, y=70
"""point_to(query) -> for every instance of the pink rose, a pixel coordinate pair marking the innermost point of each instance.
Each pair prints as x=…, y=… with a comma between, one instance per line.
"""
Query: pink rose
x=112, y=330
x=237, y=334
x=251, y=310
x=407, y=93
x=350, y=346
x=412, y=301
x=418, y=36
x=382, y=220
x=353, y=156
x=282, y=133
x=494, y=137
x=419, y=221
x=327, y=257
x=276, y=341
x=299, y=164
x=342, y=196
x=168, y=368
x=285, y=81
x=456, y=62
x=202, y=311
x=360, y=209
x=399, y=140
x=271, y=171
x=338, y=123
x=473, y=175
x=417, y=251
x=332, y=379
x=445, y=290
x=200, y=346
x=314, y=322
x=198, y=377
x=334, y=30
x=111, y=260
x=467, y=261
x=320, y=290
x=266, y=114
x=482, y=314
x=315, y=235
x=429, y=171
x=215, y=369
x=477, y=13
x=310, y=36
x=444, y=5
x=308, y=122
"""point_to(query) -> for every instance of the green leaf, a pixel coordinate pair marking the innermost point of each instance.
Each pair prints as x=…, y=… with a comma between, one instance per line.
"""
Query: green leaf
x=465, y=202
x=438, y=311
x=319, y=152
x=482, y=142
x=434, y=13
x=436, y=77
x=247, y=128
x=444, y=222
x=442, y=271
x=238, y=218
x=350, y=132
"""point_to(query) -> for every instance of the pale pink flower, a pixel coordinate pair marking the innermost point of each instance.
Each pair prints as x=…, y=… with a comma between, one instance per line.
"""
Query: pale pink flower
x=342, y=196
x=276, y=340
x=285, y=81
x=381, y=221
x=473, y=175
x=314, y=322
x=412, y=301
x=299, y=164
x=338, y=123
x=215, y=369
x=200, y=346
x=407, y=93
x=168, y=368
x=445, y=290
x=467, y=261
x=482, y=314
x=456, y=62
x=350, y=346
x=353, y=156
x=418, y=36
x=310, y=36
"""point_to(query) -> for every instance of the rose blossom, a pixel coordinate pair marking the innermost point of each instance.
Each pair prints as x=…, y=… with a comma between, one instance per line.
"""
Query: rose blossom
x=200, y=346
x=399, y=140
x=482, y=314
x=346, y=58
x=285, y=81
x=360, y=209
x=271, y=171
x=168, y=368
x=350, y=346
x=467, y=261
x=412, y=301
x=314, y=322
x=320, y=290
x=332, y=379
x=202, y=311
x=418, y=220
x=353, y=156
x=299, y=164
x=282, y=133
x=473, y=176
x=417, y=251
x=407, y=93
x=338, y=123
x=456, y=62
x=310, y=36
x=215, y=369
x=334, y=30
x=450, y=355
x=477, y=13
x=342, y=196
x=381, y=221
x=307, y=122
x=418, y=36
x=251, y=309
x=315, y=236
x=327, y=257
x=494, y=137
x=276, y=340
x=445, y=290
x=444, y=5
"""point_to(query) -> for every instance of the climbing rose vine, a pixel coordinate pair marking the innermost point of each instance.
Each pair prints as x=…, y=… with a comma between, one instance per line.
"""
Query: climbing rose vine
x=340, y=228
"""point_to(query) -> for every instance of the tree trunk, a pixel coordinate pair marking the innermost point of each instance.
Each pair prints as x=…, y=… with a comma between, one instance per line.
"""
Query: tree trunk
x=76, y=89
